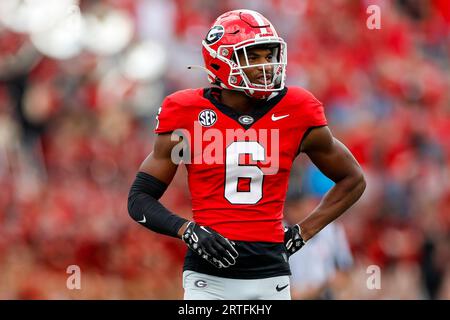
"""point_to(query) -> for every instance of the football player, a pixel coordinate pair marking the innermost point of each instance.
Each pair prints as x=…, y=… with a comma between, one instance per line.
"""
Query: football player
x=238, y=246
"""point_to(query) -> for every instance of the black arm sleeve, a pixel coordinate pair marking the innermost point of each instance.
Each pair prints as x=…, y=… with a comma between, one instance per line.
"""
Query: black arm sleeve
x=144, y=207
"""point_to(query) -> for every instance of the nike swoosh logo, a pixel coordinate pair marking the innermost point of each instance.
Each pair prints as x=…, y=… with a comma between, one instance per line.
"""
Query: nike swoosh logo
x=281, y=288
x=274, y=118
x=143, y=220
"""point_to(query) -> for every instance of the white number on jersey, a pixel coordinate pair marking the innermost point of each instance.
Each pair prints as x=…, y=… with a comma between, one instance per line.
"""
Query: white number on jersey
x=234, y=171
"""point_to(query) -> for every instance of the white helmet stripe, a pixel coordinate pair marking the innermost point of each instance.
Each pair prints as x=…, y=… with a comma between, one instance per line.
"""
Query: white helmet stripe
x=258, y=19
x=273, y=30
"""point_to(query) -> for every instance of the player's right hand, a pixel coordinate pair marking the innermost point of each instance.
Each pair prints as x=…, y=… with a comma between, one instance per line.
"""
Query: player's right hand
x=210, y=245
x=293, y=240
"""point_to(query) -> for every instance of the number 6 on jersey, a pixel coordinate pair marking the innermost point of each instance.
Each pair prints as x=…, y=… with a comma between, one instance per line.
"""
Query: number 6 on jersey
x=234, y=171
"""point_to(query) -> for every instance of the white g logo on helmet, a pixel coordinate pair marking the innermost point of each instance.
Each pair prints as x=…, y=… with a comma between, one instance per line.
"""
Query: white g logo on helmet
x=214, y=34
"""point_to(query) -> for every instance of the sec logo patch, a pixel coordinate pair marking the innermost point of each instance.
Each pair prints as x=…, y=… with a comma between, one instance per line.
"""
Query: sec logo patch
x=207, y=118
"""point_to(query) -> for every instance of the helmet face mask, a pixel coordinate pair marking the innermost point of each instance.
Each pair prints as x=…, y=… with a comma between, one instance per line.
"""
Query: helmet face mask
x=227, y=47
x=272, y=72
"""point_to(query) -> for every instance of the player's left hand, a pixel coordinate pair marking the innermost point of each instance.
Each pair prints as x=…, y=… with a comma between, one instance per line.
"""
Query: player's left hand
x=210, y=245
x=293, y=241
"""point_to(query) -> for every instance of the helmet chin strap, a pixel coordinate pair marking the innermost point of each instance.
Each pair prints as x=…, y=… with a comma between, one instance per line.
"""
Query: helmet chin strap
x=250, y=93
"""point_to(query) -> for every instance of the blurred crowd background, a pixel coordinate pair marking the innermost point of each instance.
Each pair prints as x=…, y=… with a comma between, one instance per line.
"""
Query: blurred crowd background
x=81, y=82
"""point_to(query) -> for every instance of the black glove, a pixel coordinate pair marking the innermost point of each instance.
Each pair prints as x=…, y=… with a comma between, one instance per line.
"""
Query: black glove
x=293, y=241
x=210, y=245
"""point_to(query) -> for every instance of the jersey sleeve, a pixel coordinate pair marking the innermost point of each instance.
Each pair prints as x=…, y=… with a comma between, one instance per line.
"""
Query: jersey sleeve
x=168, y=118
x=314, y=113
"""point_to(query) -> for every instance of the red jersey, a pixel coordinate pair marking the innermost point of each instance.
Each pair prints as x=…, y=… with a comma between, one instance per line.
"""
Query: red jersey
x=239, y=164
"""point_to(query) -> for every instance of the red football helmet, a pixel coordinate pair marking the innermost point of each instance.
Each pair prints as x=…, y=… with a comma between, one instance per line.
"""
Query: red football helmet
x=234, y=32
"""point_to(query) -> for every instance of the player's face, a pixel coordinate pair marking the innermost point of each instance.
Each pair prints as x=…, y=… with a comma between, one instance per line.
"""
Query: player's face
x=257, y=56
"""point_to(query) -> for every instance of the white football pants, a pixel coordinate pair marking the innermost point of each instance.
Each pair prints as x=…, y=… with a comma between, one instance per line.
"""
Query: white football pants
x=199, y=286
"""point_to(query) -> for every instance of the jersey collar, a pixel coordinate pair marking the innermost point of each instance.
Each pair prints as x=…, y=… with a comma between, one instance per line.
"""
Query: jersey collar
x=257, y=113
